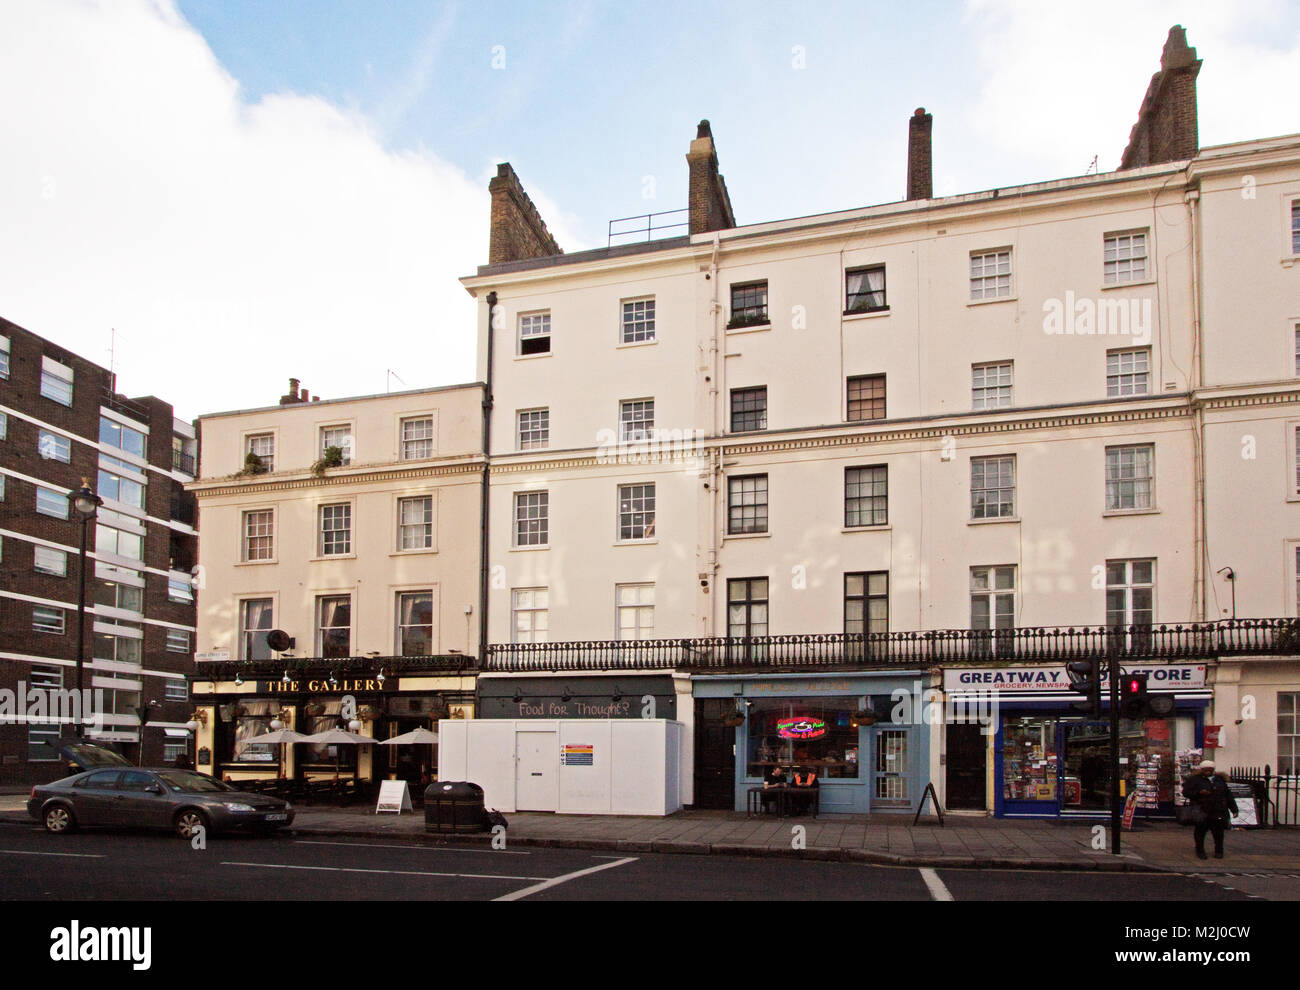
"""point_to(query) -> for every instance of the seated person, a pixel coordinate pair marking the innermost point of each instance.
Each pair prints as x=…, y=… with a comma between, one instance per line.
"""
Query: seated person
x=775, y=778
x=804, y=786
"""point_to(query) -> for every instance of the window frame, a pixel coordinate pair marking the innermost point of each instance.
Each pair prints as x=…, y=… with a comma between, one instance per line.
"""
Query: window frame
x=187, y=645
x=245, y=545
x=53, y=380
x=532, y=611
x=637, y=608
x=324, y=633
x=541, y=442
x=1120, y=374
x=403, y=441
x=346, y=447
x=1118, y=450
x=542, y=519
x=56, y=617
x=324, y=534
x=760, y=411
x=52, y=498
x=866, y=270
x=755, y=314
x=646, y=321
x=866, y=598
x=983, y=277
x=634, y=429
x=543, y=316
x=981, y=392
x=984, y=461
x=639, y=514
x=247, y=648
x=1107, y=280
x=870, y=400
x=429, y=522
x=399, y=645
x=852, y=502
x=251, y=440
x=736, y=487
x=59, y=445
x=62, y=556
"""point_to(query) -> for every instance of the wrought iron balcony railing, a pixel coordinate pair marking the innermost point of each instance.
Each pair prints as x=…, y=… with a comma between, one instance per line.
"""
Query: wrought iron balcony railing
x=832, y=651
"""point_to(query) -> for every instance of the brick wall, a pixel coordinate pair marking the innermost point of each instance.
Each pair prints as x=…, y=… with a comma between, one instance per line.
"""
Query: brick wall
x=1166, y=129
x=517, y=230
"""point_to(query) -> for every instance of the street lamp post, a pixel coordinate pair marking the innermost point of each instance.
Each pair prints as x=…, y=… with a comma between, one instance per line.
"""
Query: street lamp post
x=86, y=503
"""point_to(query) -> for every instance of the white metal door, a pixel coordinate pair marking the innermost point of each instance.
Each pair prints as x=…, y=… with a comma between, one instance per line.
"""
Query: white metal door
x=536, y=771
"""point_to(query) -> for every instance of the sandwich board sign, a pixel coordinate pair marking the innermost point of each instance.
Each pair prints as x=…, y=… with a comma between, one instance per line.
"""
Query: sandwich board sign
x=394, y=795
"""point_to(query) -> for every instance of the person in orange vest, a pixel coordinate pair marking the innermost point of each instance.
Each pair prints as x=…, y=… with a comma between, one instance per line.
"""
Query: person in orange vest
x=805, y=786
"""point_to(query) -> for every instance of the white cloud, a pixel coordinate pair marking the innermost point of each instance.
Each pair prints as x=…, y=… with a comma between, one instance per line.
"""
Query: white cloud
x=1062, y=82
x=230, y=243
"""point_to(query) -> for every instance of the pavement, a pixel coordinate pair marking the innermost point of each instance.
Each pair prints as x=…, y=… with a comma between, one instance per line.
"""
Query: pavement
x=962, y=842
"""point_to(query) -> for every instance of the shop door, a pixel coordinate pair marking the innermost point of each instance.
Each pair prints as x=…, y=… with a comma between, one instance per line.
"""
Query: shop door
x=967, y=760
x=536, y=771
x=715, y=755
x=1085, y=765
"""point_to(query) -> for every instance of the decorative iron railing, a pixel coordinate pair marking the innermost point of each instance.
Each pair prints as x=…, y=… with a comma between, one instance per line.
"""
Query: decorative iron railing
x=221, y=670
x=829, y=651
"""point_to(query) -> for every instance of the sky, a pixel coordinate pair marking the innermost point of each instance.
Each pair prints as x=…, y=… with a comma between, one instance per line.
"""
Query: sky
x=216, y=195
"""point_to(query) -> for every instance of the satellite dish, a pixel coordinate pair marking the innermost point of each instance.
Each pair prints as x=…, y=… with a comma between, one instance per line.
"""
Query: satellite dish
x=279, y=640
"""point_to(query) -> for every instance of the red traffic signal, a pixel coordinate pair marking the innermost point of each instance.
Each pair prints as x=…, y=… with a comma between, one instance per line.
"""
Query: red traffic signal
x=1133, y=695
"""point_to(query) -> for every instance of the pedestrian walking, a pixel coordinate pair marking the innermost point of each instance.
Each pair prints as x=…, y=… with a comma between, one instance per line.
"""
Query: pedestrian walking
x=1209, y=794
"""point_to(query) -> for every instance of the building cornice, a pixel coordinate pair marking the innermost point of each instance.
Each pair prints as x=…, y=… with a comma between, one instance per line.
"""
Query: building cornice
x=361, y=475
x=1244, y=396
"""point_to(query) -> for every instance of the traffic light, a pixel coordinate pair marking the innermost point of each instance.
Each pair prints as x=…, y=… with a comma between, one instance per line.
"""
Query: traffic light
x=1085, y=678
x=1133, y=696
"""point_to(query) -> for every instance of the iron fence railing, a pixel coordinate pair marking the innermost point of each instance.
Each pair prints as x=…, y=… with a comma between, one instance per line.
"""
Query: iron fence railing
x=220, y=670
x=1278, y=795
x=645, y=228
x=819, y=651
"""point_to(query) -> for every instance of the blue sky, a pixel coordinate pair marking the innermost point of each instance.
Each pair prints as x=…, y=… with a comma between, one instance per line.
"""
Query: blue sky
x=265, y=184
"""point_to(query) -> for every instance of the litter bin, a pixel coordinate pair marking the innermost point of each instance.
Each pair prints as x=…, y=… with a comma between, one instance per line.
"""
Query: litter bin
x=454, y=806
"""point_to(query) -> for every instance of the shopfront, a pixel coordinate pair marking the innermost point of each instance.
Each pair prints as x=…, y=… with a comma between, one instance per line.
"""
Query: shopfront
x=234, y=706
x=862, y=734
x=1047, y=760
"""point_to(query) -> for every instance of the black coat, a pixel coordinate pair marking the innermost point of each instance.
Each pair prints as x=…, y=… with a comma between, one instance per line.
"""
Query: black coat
x=1211, y=794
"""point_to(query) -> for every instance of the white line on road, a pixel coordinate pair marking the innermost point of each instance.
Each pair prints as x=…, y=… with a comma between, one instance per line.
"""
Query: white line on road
x=937, y=890
x=411, y=845
x=24, y=852
x=398, y=873
x=556, y=881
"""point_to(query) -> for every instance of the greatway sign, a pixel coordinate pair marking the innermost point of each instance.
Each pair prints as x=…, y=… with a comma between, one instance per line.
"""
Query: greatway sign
x=1049, y=679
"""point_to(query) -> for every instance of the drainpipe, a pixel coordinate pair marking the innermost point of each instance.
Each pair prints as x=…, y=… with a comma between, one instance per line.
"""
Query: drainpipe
x=484, y=514
x=715, y=451
x=1200, y=561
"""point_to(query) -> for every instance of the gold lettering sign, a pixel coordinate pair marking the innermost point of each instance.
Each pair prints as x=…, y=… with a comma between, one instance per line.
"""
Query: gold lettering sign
x=345, y=685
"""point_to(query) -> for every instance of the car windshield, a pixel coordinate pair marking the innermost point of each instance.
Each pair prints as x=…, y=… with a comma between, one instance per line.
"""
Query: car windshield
x=190, y=783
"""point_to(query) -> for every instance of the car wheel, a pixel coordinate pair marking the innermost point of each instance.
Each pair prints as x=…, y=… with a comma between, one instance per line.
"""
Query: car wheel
x=58, y=819
x=189, y=821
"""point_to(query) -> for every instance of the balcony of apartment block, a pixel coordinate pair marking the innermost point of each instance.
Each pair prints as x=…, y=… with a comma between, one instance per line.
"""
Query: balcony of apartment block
x=287, y=666
x=184, y=509
x=814, y=652
x=184, y=463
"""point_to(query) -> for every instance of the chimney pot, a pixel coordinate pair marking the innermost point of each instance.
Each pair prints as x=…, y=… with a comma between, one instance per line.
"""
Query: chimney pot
x=919, y=155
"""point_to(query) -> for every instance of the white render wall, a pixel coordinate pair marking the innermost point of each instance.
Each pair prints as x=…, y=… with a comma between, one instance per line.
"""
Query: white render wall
x=925, y=345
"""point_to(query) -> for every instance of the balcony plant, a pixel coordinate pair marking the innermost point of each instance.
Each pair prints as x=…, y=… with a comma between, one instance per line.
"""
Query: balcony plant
x=253, y=464
x=333, y=457
x=748, y=320
x=734, y=720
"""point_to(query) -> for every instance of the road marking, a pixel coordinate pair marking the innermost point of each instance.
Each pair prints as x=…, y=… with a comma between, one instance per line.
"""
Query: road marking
x=937, y=890
x=412, y=845
x=556, y=881
x=397, y=873
x=25, y=852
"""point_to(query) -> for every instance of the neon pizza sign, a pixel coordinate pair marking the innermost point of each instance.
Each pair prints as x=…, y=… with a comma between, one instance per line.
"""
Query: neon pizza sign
x=800, y=727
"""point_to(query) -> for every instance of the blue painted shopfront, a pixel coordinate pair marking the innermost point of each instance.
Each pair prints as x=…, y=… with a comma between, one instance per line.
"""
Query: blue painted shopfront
x=1051, y=762
x=862, y=768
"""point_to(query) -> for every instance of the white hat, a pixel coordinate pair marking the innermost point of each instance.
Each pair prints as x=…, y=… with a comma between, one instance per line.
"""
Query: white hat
x=1206, y=765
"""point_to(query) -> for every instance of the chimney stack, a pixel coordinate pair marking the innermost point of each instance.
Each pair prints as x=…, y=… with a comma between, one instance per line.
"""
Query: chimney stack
x=920, y=183
x=517, y=231
x=293, y=397
x=1166, y=129
x=710, y=206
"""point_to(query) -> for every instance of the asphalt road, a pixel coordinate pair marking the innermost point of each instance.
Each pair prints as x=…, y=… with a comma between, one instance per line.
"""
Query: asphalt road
x=109, y=866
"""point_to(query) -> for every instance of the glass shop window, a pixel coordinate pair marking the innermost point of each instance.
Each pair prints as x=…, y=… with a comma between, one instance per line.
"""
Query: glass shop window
x=816, y=733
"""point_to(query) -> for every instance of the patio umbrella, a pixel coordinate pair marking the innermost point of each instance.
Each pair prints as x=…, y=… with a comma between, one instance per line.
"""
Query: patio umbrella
x=416, y=737
x=339, y=737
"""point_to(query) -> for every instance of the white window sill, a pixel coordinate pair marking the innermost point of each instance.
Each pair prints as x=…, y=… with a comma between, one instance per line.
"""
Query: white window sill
x=636, y=343
x=879, y=528
x=758, y=328
x=540, y=546
x=990, y=302
x=992, y=522
x=255, y=563
x=1127, y=285
x=332, y=556
x=1130, y=512
x=746, y=536
x=420, y=552
x=529, y=450
x=867, y=315
x=636, y=543
x=533, y=357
